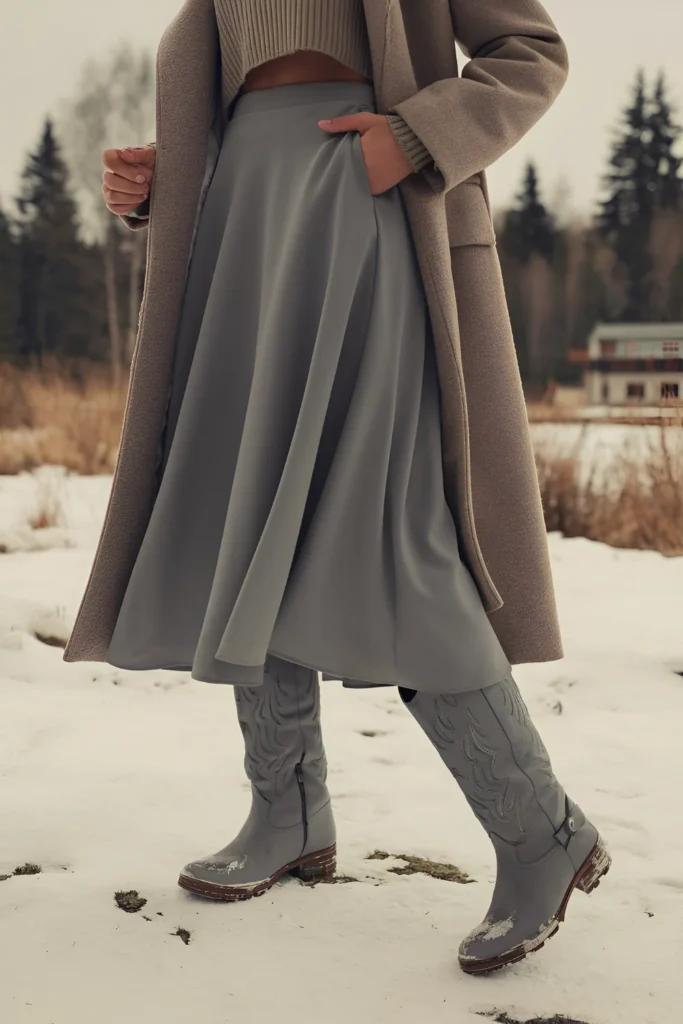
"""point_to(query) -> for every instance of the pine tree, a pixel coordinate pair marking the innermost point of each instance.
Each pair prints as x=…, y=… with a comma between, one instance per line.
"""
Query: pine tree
x=53, y=312
x=9, y=268
x=529, y=227
x=528, y=244
x=643, y=178
x=665, y=134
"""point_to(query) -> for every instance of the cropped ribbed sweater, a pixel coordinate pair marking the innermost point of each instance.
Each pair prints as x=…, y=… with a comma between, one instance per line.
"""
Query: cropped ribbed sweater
x=252, y=32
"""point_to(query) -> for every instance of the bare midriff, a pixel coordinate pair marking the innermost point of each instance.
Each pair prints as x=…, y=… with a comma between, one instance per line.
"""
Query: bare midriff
x=302, y=66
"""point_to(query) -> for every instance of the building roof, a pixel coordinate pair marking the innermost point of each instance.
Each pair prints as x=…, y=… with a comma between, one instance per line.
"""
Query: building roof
x=655, y=331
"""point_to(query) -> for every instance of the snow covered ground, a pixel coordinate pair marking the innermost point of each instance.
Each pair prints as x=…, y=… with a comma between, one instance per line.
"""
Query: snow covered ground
x=111, y=780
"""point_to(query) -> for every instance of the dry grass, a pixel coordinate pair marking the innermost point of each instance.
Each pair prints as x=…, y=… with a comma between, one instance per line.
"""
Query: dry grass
x=48, y=503
x=544, y=412
x=642, y=507
x=71, y=417
x=57, y=415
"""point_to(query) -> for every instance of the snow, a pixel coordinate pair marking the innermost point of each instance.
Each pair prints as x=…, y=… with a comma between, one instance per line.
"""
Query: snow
x=489, y=930
x=113, y=780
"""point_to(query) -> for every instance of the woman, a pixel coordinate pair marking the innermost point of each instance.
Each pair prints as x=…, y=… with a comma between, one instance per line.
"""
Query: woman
x=325, y=463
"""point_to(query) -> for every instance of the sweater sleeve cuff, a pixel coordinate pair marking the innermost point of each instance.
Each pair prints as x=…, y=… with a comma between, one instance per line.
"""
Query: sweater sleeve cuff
x=412, y=146
x=140, y=212
x=137, y=218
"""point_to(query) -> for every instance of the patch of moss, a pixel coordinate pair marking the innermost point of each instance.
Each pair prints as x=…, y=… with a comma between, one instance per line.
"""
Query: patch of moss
x=28, y=869
x=183, y=934
x=130, y=901
x=423, y=866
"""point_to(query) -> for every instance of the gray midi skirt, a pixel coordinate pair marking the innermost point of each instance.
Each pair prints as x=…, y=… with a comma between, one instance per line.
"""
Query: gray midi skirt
x=301, y=509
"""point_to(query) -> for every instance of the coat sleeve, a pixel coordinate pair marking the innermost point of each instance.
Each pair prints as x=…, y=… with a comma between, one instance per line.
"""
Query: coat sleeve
x=518, y=65
x=139, y=217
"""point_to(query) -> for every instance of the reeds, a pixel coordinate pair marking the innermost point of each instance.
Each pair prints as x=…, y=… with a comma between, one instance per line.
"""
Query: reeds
x=57, y=415
x=71, y=417
x=636, y=502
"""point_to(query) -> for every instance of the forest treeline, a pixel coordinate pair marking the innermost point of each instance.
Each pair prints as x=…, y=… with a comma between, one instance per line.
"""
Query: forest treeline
x=71, y=274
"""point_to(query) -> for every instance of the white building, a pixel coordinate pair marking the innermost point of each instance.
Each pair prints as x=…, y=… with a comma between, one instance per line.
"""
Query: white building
x=635, y=364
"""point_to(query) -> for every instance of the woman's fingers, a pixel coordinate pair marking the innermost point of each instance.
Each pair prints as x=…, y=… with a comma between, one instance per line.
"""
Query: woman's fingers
x=127, y=177
x=145, y=155
x=351, y=122
x=121, y=208
x=116, y=183
x=114, y=198
x=140, y=173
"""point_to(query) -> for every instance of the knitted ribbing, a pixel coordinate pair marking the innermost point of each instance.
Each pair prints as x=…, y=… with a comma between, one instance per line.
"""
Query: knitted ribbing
x=255, y=31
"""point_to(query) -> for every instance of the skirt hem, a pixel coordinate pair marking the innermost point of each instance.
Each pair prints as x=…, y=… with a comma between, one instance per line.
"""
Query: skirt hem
x=351, y=682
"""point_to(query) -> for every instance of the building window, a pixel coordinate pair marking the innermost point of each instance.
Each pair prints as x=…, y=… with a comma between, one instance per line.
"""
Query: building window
x=670, y=390
x=608, y=348
x=670, y=346
x=635, y=391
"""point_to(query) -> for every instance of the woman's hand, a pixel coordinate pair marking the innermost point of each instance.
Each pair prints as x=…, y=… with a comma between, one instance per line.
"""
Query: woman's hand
x=385, y=161
x=128, y=177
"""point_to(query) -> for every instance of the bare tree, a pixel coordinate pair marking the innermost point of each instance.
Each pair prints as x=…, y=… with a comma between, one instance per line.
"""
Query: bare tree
x=113, y=106
x=133, y=125
x=538, y=292
x=666, y=249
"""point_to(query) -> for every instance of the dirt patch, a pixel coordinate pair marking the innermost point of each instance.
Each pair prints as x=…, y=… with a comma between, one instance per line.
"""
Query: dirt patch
x=28, y=869
x=503, y=1018
x=334, y=880
x=130, y=901
x=51, y=641
x=183, y=934
x=423, y=866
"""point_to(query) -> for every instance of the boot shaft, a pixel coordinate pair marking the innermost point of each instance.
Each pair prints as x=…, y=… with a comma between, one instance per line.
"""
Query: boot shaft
x=284, y=753
x=489, y=743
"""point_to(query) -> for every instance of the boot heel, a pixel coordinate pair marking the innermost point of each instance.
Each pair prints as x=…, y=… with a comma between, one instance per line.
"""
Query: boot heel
x=317, y=866
x=596, y=866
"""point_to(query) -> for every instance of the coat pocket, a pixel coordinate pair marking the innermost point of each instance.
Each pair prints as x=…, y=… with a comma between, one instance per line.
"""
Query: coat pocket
x=467, y=215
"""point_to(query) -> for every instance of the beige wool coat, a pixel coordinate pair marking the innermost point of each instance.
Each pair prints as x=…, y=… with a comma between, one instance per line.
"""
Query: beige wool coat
x=517, y=66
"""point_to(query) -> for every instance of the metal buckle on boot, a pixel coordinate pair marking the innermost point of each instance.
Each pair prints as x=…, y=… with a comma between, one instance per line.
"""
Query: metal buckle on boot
x=567, y=829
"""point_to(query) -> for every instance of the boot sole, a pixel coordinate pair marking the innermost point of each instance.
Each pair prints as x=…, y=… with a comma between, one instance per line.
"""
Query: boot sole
x=314, y=867
x=587, y=878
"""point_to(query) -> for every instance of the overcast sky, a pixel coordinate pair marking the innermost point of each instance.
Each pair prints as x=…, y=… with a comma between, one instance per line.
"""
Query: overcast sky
x=43, y=44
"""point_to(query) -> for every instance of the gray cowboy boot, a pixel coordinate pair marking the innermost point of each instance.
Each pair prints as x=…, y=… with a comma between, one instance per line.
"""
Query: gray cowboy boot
x=545, y=847
x=290, y=828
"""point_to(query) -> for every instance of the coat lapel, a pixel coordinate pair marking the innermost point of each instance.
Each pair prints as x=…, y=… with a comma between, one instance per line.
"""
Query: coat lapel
x=376, y=17
x=391, y=65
